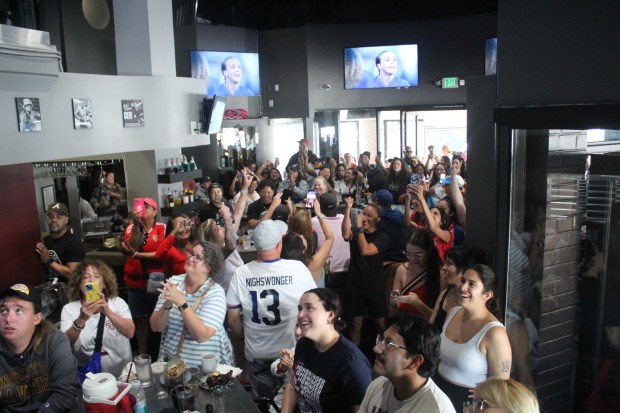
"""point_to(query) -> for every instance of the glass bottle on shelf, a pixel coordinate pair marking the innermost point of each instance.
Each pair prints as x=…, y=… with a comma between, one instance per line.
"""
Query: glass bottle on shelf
x=170, y=199
x=177, y=198
x=168, y=167
x=192, y=164
x=173, y=164
x=184, y=164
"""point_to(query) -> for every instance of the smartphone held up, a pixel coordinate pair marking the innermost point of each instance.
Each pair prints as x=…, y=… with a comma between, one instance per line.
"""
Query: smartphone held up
x=91, y=291
x=310, y=198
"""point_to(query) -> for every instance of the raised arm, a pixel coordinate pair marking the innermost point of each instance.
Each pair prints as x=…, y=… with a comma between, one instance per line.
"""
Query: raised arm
x=433, y=224
x=346, y=222
x=318, y=259
x=457, y=198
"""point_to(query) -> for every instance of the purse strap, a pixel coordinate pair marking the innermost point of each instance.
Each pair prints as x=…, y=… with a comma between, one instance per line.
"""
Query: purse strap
x=413, y=282
x=194, y=307
x=99, y=337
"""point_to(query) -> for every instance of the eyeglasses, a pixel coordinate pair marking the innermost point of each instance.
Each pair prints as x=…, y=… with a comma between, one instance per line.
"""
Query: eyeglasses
x=387, y=346
x=409, y=254
x=475, y=405
x=195, y=256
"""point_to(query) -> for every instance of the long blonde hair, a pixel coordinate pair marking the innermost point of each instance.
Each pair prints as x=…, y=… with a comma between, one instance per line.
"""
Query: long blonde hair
x=508, y=395
x=301, y=223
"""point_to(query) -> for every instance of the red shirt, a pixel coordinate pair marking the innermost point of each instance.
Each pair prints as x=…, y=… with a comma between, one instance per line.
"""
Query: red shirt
x=172, y=257
x=135, y=274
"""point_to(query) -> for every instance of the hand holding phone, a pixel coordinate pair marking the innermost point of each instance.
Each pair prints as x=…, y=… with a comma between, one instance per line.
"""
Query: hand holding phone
x=91, y=291
x=138, y=206
x=310, y=198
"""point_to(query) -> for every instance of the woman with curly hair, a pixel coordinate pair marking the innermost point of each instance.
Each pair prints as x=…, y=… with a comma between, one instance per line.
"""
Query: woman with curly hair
x=80, y=318
x=191, y=309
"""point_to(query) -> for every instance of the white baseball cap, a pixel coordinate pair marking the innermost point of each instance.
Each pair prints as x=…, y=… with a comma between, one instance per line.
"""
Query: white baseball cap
x=268, y=234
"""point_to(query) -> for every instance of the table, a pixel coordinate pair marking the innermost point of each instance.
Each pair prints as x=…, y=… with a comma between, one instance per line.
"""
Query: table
x=239, y=402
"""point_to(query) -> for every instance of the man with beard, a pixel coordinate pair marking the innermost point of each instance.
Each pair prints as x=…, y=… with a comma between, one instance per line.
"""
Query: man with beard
x=212, y=209
x=406, y=356
x=61, y=251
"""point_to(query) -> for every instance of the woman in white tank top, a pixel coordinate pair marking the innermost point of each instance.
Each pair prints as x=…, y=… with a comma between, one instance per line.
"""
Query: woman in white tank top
x=474, y=344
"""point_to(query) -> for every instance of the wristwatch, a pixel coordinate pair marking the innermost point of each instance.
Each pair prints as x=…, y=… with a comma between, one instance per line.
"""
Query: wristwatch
x=361, y=230
x=50, y=260
x=183, y=307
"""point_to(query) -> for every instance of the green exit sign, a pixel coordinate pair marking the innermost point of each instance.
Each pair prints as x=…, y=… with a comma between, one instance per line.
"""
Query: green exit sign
x=449, y=82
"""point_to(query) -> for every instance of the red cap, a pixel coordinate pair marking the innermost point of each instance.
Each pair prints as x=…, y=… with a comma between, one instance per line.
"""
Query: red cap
x=151, y=202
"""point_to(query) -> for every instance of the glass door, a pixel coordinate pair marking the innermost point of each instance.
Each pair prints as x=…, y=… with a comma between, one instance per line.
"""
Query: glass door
x=562, y=287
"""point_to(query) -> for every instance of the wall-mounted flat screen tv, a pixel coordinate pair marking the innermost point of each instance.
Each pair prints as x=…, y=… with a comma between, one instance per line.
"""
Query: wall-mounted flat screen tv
x=213, y=114
x=490, y=56
x=227, y=73
x=381, y=67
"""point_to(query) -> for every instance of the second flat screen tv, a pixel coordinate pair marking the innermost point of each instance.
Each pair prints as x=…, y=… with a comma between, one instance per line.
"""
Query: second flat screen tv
x=381, y=67
x=227, y=73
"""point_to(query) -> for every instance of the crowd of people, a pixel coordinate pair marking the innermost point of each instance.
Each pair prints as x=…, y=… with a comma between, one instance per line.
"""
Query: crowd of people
x=381, y=243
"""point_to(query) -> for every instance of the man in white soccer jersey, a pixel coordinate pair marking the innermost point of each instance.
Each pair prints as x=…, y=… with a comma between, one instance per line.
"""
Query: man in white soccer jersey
x=267, y=292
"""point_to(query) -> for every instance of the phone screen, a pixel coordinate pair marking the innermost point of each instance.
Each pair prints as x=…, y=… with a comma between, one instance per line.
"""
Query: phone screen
x=310, y=199
x=92, y=291
x=138, y=206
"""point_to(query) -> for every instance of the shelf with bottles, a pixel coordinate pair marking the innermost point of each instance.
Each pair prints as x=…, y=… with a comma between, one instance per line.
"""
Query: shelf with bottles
x=179, y=177
x=177, y=170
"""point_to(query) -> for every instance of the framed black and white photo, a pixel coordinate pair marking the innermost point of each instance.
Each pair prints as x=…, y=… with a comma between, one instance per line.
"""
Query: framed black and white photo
x=82, y=114
x=49, y=196
x=28, y=114
x=133, y=113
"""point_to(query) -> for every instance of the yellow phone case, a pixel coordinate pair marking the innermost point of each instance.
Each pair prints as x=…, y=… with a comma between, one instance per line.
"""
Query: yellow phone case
x=92, y=291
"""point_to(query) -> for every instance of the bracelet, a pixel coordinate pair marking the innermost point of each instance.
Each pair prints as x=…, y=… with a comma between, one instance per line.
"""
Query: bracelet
x=244, y=191
x=167, y=308
x=134, y=254
x=320, y=216
x=50, y=261
x=78, y=327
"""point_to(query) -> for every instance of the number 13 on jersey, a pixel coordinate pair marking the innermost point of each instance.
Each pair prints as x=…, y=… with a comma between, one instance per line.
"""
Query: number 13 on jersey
x=271, y=300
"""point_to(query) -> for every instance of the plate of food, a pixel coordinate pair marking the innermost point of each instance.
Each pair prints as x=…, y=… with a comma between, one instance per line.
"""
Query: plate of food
x=217, y=379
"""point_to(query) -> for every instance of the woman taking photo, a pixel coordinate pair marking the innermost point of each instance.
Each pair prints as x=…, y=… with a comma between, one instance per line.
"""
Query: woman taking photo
x=295, y=246
x=474, y=344
x=173, y=251
x=416, y=283
x=142, y=239
x=191, y=310
x=80, y=318
x=330, y=373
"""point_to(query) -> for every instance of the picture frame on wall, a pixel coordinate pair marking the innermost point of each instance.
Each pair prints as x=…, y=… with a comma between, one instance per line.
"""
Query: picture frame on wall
x=28, y=114
x=82, y=113
x=48, y=196
x=133, y=113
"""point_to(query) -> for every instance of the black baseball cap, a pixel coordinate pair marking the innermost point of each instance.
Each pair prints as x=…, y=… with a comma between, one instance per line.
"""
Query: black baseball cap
x=25, y=292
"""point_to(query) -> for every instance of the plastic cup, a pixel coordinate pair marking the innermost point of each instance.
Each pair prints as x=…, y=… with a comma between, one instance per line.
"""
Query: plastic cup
x=143, y=369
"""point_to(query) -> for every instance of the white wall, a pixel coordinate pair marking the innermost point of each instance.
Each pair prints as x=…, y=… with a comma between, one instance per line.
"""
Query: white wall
x=170, y=104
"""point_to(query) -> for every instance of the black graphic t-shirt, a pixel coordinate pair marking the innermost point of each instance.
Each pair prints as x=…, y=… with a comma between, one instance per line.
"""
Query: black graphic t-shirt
x=68, y=248
x=332, y=381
